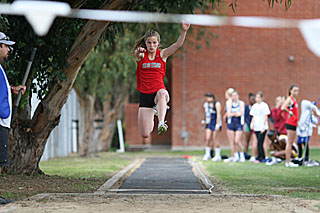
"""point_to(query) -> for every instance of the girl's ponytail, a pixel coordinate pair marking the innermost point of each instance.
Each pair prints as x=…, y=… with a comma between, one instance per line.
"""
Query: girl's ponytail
x=139, y=43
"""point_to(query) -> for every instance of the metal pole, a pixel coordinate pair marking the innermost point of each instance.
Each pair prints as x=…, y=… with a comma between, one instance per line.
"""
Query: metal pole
x=184, y=133
x=120, y=134
x=16, y=105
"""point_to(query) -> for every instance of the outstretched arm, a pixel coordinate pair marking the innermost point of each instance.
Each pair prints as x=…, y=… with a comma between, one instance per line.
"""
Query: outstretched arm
x=165, y=53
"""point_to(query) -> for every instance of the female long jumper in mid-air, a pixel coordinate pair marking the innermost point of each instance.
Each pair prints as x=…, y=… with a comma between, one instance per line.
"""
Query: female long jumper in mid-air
x=151, y=69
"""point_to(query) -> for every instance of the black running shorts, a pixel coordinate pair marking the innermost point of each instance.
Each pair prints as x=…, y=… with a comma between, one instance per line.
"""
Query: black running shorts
x=291, y=127
x=147, y=100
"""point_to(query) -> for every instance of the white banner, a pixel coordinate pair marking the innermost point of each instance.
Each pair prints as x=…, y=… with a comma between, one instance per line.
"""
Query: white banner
x=41, y=14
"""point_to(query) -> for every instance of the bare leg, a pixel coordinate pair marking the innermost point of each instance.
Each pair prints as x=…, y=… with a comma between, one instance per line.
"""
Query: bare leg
x=237, y=140
x=145, y=121
x=216, y=142
x=247, y=138
x=161, y=99
x=208, y=138
x=208, y=144
x=280, y=154
x=231, y=137
x=254, y=146
x=0, y=170
x=291, y=139
x=266, y=144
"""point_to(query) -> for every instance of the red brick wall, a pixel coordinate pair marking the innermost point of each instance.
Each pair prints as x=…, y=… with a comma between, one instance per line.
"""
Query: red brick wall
x=248, y=60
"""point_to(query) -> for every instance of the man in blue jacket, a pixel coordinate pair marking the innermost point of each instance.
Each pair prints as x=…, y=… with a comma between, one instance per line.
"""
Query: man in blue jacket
x=5, y=104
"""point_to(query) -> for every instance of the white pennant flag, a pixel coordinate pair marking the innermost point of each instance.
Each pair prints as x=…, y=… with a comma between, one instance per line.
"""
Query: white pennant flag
x=310, y=30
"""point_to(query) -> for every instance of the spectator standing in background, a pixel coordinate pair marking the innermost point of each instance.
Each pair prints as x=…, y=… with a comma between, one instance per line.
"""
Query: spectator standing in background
x=291, y=107
x=247, y=129
x=235, y=122
x=259, y=112
x=212, y=109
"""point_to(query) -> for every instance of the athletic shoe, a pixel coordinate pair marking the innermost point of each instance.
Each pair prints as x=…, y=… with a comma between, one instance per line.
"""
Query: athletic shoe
x=4, y=201
x=311, y=163
x=242, y=157
x=293, y=165
x=242, y=160
x=247, y=156
x=271, y=163
x=211, y=153
x=162, y=128
x=216, y=158
x=252, y=159
x=266, y=160
x=235, y=160
x=228, y=160
x=206, y=157
x=155, y=110
x=316, y=163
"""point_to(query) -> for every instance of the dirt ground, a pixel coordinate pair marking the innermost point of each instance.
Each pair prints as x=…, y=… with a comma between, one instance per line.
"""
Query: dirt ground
x=18, y=187
x=161, y=203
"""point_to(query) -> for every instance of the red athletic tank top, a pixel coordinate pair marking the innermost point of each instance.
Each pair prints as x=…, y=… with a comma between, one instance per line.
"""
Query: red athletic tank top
x=150, y=74
x=293, y=120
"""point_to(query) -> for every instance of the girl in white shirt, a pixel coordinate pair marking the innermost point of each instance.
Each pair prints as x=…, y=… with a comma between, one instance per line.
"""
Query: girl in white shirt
x=259, y=112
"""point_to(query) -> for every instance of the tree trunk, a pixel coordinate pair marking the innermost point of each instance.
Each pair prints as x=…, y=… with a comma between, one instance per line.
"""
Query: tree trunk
x=28, y=140
x=112, y=112
x=93, y=148
x=86, y=120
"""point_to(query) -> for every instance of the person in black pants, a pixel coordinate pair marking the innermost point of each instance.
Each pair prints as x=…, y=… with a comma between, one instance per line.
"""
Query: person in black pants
x=260, y=137
x=5, y=105
x=259, y=123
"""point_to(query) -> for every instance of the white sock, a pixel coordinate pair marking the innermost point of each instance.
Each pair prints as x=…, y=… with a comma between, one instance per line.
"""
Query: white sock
x=217, y=151
x=274, y=159
x=208, y=149
x=242, y=155
x=236, y=155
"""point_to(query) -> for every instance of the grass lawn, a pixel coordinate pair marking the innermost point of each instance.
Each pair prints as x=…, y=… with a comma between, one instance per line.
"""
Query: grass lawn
x=302, y=182
x=76, y=167
x=71, y=174
x=85, y=175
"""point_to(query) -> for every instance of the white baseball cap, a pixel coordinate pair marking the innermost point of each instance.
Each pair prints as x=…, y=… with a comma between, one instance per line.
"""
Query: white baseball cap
x=4, y=39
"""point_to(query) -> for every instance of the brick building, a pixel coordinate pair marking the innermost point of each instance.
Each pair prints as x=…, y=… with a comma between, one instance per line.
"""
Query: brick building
x=245, y=59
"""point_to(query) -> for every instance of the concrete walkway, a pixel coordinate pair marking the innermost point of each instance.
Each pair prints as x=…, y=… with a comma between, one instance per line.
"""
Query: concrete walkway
x=164, y=176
